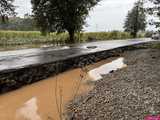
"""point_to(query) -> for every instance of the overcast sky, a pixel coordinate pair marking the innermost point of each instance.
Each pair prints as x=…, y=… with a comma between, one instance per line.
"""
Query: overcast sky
x=108, y=15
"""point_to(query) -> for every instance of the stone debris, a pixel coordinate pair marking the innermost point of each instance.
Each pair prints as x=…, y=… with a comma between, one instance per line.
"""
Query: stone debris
x=132, y=93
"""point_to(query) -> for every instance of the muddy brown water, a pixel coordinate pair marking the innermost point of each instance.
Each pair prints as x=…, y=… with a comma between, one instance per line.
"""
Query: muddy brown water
x=46, y=100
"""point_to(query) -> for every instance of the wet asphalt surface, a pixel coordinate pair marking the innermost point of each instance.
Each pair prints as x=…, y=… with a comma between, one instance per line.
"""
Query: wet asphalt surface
x=23, y=58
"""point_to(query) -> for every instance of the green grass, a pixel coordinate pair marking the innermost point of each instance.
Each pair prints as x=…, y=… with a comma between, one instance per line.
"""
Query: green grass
x=28, y=39
x=156, y=46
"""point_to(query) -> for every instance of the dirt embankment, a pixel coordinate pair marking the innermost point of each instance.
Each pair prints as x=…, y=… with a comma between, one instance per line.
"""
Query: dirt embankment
x=128, y=94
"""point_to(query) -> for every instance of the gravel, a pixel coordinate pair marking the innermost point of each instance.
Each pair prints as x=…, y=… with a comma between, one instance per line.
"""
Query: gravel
x=127, y=94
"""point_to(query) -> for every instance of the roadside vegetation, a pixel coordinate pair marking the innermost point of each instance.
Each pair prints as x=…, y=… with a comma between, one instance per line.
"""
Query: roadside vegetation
x=156, y=46
x=30, y=39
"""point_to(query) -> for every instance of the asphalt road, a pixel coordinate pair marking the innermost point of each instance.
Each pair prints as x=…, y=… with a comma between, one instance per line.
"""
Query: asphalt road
x=23, y=58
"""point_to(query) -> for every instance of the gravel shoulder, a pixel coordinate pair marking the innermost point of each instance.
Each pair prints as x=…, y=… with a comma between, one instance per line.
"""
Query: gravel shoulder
x=127, y=94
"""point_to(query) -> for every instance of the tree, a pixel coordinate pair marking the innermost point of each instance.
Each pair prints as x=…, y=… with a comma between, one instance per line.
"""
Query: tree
x=6, y=9
x=26, y=23
x=155, y=10
x=62, y=15
x=136, y=19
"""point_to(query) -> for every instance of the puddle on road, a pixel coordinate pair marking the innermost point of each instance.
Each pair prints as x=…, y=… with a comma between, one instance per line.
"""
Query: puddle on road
x=46, y=100
x=97, y=73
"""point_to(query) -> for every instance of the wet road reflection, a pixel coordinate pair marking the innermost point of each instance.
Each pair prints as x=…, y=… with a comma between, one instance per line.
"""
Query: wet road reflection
x=22, y=58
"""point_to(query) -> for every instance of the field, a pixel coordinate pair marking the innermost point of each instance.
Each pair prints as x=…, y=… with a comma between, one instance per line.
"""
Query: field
x=10, y=40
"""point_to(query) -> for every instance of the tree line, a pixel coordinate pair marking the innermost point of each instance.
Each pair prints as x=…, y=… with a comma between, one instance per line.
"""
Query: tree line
x=70, y=16
x=26, y=23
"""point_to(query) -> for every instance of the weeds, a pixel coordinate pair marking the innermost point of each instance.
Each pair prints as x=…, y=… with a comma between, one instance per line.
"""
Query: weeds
x=59, y=90
x=78, y=84
x=19, y=39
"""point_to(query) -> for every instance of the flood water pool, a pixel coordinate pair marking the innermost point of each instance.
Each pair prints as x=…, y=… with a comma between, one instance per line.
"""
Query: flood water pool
x=46, y=100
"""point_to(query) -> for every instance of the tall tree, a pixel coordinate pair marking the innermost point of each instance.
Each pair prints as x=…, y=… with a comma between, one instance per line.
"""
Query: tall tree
x=62, y=15
x=155, y=11
x=136, y=19
x=6, y=9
